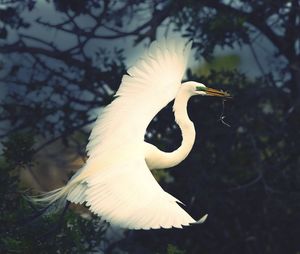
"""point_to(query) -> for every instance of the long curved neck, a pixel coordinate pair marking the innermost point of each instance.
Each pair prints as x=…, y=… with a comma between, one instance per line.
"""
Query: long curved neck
x=186, y=126
x=156, y=158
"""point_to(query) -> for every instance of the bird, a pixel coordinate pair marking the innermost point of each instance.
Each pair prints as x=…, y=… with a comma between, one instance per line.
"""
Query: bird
x=116, y=182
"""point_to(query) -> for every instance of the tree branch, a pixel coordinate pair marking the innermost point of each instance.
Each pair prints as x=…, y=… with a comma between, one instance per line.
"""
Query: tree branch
x=254, y=20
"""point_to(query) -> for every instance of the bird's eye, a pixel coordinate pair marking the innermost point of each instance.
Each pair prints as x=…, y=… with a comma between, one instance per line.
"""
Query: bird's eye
x=201, y=88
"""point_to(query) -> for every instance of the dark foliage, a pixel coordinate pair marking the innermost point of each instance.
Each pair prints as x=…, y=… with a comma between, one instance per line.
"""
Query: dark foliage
x=24, y=230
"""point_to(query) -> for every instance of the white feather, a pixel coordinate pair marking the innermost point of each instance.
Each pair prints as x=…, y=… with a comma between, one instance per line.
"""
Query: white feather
x=129, y=196
x=115, y=182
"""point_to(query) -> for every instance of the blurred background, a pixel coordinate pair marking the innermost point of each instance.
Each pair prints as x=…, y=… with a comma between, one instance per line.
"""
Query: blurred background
x=61, y=61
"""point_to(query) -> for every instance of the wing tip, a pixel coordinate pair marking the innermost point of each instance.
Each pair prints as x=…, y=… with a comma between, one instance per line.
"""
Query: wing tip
x=201, y=220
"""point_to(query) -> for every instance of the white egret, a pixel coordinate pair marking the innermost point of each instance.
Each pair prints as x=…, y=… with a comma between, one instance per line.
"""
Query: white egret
x=116, y=182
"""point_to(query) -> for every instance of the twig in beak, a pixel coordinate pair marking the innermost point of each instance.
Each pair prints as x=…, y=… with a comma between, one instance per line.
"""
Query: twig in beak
x=222, y=116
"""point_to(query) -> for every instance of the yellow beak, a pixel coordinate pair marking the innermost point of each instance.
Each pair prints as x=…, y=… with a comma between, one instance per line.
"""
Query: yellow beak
x=214, y=92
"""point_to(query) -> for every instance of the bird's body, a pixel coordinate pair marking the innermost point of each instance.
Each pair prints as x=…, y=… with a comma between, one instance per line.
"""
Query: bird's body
x=116, y=182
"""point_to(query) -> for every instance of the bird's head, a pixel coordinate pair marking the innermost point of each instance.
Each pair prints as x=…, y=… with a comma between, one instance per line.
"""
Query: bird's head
x=196, y=88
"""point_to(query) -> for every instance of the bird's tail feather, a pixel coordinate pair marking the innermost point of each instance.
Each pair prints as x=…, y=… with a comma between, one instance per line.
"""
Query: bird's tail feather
x=55, y=200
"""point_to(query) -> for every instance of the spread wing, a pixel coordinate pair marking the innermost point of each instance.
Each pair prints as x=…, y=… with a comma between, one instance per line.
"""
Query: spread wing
x=128, y=196
x=148, y=87
x=116, y=182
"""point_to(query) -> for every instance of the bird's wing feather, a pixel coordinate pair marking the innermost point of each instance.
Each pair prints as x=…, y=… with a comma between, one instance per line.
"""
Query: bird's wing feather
x=116, y=180
x=128, y=195
x=148, y=87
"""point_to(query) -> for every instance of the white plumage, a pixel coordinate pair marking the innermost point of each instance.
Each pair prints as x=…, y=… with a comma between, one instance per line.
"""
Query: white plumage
x=116, y=182
x=150, y=84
